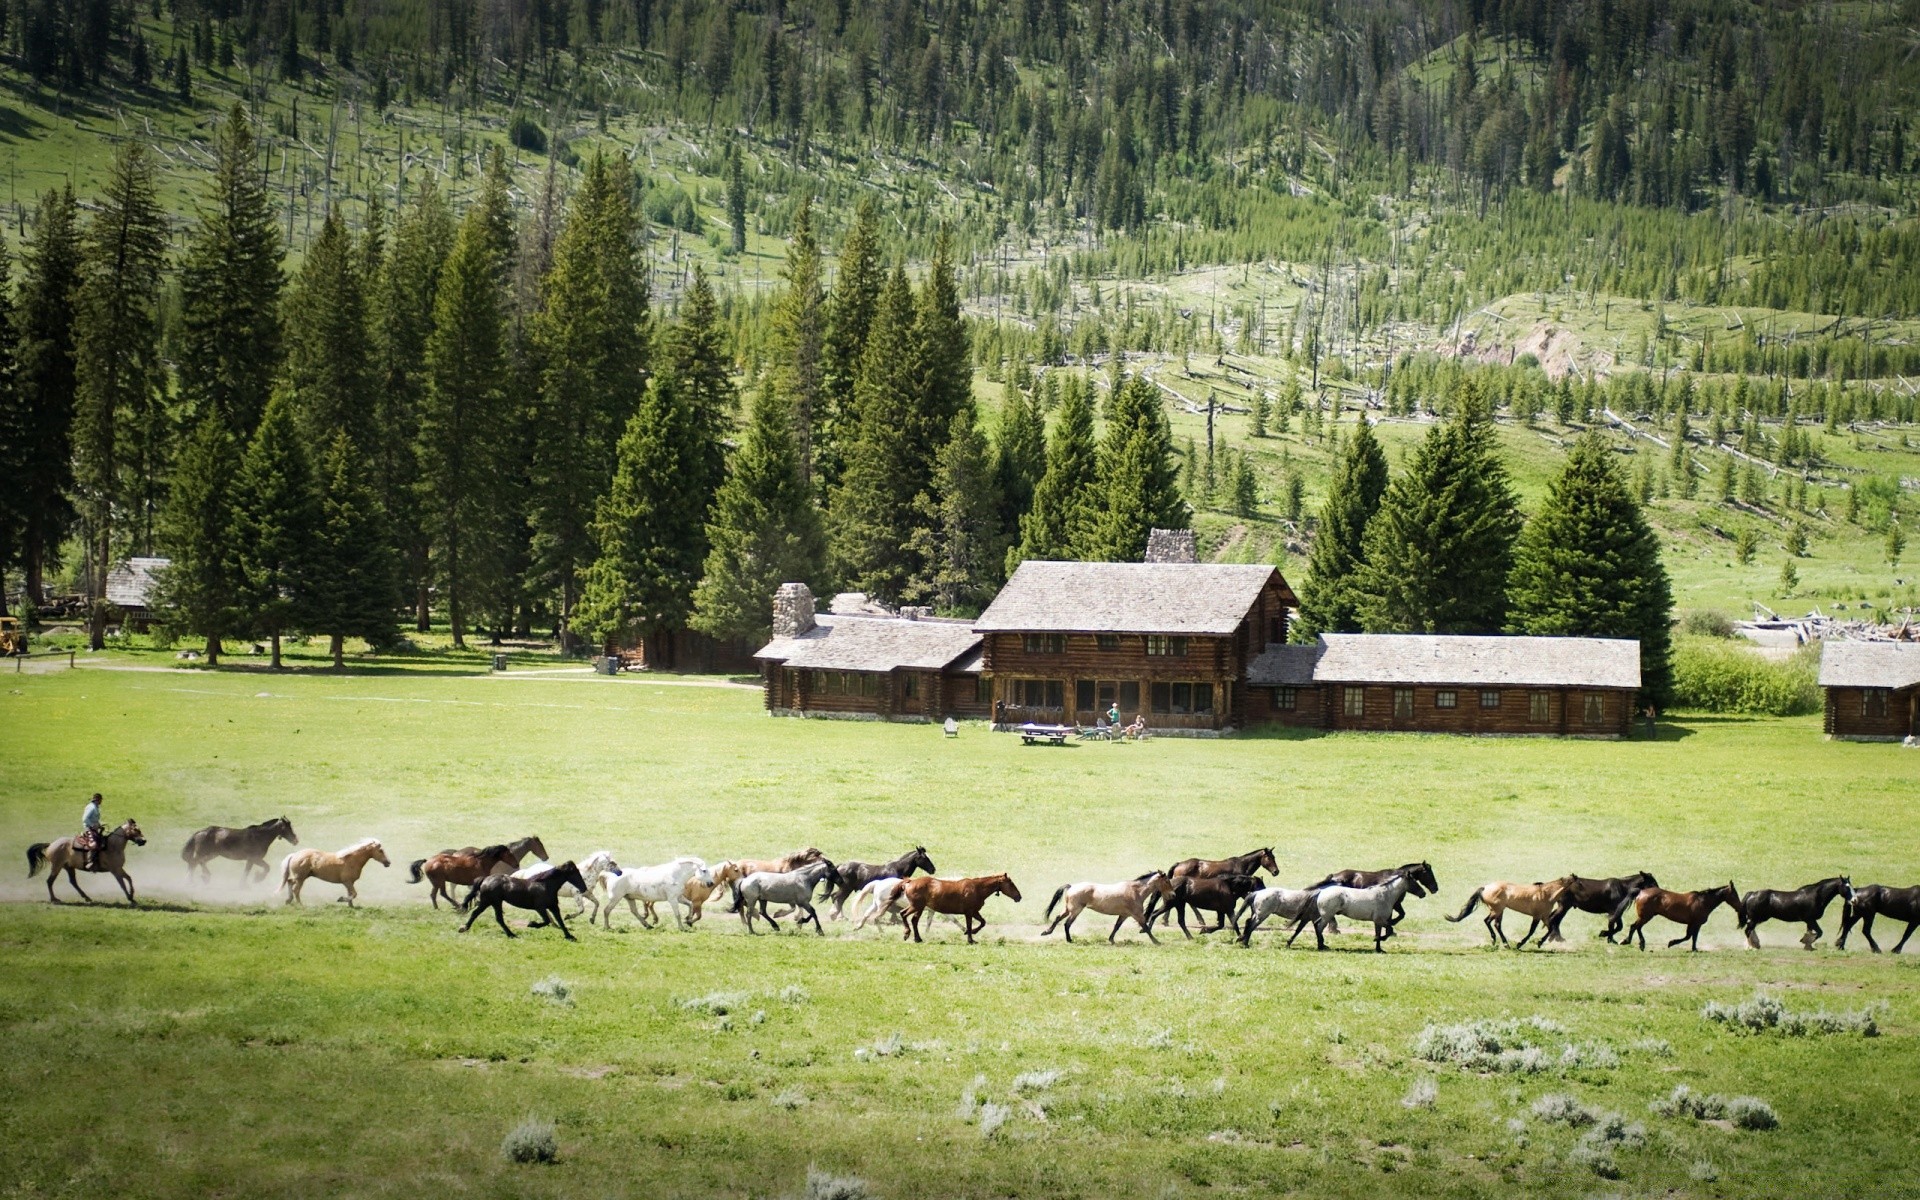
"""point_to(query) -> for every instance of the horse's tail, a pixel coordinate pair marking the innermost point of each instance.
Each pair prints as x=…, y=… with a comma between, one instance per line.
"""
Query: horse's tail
x=1058, y=892
x=186, y=851
x=36, y=857
x=1472, y=901
x=738, y=899
x=1328, y=882
x=414, y=870
x=286, y=875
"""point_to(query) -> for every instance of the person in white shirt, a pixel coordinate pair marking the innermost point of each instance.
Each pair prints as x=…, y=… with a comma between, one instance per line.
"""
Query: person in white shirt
x=92, y=833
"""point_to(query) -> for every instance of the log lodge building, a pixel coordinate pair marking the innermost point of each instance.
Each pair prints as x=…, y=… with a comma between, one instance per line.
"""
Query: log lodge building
x=1198, y=648
x=1872, y=690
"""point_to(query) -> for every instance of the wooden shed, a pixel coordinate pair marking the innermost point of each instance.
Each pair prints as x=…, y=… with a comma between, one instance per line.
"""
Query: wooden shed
x=1068, y=641
x=1872, y=688
x=905, y=666
x=1453, y=683
x=131, y=585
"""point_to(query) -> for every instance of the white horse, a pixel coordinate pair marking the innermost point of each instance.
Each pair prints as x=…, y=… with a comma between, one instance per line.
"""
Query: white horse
x=1375, y=904
x=794, y=887
x=1287, y=903
x=651, y=885
x=597, y=864
x=885, y=895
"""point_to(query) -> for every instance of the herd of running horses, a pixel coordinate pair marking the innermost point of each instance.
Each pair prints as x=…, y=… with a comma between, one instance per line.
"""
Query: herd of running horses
x=518, y=874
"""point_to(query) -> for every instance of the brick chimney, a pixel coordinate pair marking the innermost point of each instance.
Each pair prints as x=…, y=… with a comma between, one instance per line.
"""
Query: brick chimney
x=792, y=610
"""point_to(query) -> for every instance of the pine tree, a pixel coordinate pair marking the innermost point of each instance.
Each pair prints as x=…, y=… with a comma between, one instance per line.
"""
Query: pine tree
x=230, y=284
x=1246, y=489
x=764, y=530
x=695, y=351
x=352, y=588
x=797, y=336
x=870, y=518
x=1745, y=543
x=201, y=586
x=856, y=293
x=119, y=423
x=737, y=199
x=1257, y=419
x=1059, y=520
x=44, y=383
x=943, y=387
x=15, y=420
x=1330, y=596
x=1797, y=540
x=1439, y=550
x=1588, y=565
x=1789, y=577
x=958, y=541
x=1138, y=486
x=327, y=363
x=182, y=76
x=1020, y=457
x=276, y=520
x=1896, y=544
x=592, y=341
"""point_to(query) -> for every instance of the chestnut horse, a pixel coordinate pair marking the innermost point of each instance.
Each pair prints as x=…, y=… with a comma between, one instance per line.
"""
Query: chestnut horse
x=1212, y=868
x=1536, y=900
x=470, y=864
x=962, y=897
x=1690, y=909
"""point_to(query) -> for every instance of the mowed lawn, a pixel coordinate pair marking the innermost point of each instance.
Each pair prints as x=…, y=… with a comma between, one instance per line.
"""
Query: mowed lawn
x=219, y=1045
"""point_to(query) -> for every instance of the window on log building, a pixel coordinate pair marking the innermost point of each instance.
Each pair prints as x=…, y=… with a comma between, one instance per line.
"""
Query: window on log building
x=1173, y=647
x=1489, y=699
x=1873, y=702
x=1356, y=701
x=1596, y=708
x=1403, y=704
x=1180, y=699
x=1108, y=641
x=1446, y=699
x=1286, y=699
x=1045, y=643
x=1040, y=693
x=1540, y=706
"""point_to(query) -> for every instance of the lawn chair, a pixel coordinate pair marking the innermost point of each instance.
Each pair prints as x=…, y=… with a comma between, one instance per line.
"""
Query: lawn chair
x=951, y=728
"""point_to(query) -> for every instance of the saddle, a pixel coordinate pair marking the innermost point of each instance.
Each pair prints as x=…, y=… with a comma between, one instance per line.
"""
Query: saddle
x=89, y=841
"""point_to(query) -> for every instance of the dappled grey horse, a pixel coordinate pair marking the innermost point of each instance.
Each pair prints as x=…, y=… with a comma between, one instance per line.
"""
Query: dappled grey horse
x=795, y=887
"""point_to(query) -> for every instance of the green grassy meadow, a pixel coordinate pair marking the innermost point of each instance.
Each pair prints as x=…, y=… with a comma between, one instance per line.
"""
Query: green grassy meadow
x=217, y=1044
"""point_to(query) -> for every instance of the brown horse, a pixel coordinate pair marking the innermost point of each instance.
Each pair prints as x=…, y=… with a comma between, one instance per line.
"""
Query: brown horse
x=959, y=897
x=61, y=856
x=249, y=845
x=1536, y=900
x=1690, y=909
x=469, y=865
x=1212, y=868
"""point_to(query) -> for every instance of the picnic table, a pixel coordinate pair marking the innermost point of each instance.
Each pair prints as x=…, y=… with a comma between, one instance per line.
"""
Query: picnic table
x=1031, y=733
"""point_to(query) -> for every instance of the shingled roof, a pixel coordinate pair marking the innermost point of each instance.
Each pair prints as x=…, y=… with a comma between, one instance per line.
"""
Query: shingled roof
x=1870, y=664
x=1468, y=660
x=1098, y=597
x=130, y=582
x=845, y=643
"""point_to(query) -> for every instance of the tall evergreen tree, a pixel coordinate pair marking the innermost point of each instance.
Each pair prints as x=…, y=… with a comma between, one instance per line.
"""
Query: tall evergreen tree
x=592, y=342
x=230, y=284
x=327, y=364
x=958, y=542
x=119, y=423
x=1588, y=565
x=1060, y=518
x=352, y=589
x=695, y=350
x=764, y=530
x=15, y=421
x=870, y=519
x=1329, y=596
x=201, y=586
x=1439, y=550
x=943, y=385
x=1020, y=456
x=276, y=521
x=1139, y=485
x=856, y=293
x=798, y=334
x=44, y=384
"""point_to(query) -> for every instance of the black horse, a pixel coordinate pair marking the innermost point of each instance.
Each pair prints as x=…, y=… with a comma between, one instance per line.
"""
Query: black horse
x=1879, y=900
x=1609, y=898
x=1421, y=882
x=1807, y=904
x=855, y=875
x=541, y=894
x=249, y=845
x=1217, y=894
x=1212, y=868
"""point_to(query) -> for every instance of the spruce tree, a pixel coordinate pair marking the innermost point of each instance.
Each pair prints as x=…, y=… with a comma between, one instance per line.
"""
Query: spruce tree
x=1138, y=489
x=1059, y=520
x=1588, y=565
x=1020, y=457
x=15, y=419
x=352, y=588
x=695, y=350
x=199, y=590
x=327, y=364
x=943, y=385
x=230, y=284
x=1330, y=594
x=870, y=519
x=850, y=309
x=592, y=342
x=44, y=384
x=736, y=200
x=764, y=530
x=119, y=423
x=1440, y=549
x=276, y=521
x=958, y=542
x=797, y=336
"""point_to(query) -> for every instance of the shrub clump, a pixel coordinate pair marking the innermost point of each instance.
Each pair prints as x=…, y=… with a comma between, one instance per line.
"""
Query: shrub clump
x=554, y=989
x=717, y=1003
x=1505, y=1047
x=1035, y=1081
x=1559, y=1108
x=822, y=1186
x=531, y=1141
x=1685, y=1102
x=1751, y=1112
x=1764, y=1012
x=1422, y=1094
x=1720, y=676
x=992, y=1117
x=789, y=1098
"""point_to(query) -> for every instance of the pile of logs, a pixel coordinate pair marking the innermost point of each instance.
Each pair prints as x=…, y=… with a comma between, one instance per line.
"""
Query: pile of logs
x=1768, y=626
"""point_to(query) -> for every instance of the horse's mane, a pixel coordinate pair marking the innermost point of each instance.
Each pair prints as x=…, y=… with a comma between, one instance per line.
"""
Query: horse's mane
x=362, y=844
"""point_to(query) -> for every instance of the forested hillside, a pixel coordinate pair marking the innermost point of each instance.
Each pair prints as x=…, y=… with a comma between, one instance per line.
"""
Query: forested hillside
x=606, y=317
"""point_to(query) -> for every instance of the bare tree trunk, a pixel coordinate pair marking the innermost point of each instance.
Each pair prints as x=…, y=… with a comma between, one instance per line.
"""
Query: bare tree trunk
x=213, y=650
x=339, y=647
x=276, y=649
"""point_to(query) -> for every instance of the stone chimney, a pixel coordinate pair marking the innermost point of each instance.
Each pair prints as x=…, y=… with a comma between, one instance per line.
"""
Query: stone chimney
x=915, y=612
x=792, y=610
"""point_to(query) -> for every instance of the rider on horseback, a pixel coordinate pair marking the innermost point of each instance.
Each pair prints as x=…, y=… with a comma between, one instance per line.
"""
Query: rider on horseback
x=92, y=836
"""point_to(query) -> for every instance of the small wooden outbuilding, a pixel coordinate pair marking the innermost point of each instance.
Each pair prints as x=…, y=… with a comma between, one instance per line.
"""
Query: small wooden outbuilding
x=1872, y=688
x=869, y=663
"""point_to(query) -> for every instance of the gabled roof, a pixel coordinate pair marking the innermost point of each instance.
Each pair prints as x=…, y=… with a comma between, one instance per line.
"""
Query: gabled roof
x=1099, y=597
x=1473, y=660
x=130, y=582
x=1870, y=664
x=1281, y=665
x=847, y=643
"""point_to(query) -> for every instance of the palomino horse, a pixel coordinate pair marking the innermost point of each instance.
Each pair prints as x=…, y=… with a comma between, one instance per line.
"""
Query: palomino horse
x=1217, y=894
x=540, y=894
x=61, y=856
x=1116, y=900
x=653, y=885
x=343, y=868
x=1536, y=900
x=1682, y=908
x=856, y=875
x=1211, y=868
x=1289, y=904
x=1421, y=881
x=1609, y=898
x=1807, y=904
x=724, y=876
x=794, y=888
x=963, y=897
x=1879, y=900
x=1378, y=904
x=249, y=845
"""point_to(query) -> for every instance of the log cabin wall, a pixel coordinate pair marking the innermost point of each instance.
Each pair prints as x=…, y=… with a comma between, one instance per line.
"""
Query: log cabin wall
x=1872, y=714
x=1290, y=707
x=1122, y=661
x=1572, y=712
